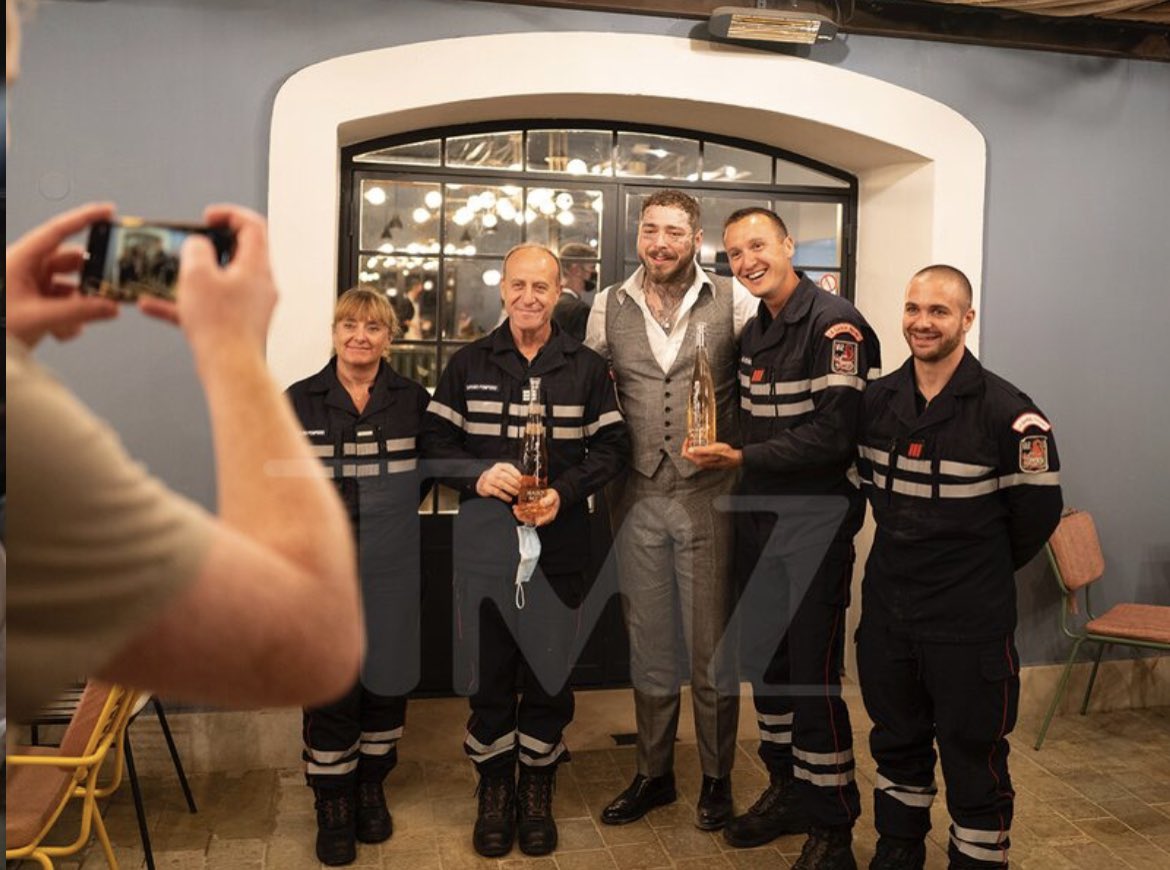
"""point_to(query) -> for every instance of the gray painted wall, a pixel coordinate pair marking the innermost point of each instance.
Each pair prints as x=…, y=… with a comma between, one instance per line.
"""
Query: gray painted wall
x=164, y=106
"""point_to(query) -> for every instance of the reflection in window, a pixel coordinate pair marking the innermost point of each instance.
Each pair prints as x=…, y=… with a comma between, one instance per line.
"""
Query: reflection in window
x=486, y=151
x=575, y=152
x=472, y=287
x=559, y=217
x=727, y=164
x=795, y=174
x=816, y=229
x=482, y=219
x=426, y=153
x=646, y=156
x=399, y=217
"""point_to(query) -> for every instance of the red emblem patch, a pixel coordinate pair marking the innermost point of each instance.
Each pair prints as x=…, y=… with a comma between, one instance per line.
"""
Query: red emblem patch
x=1034, y=454
x=844, y=357
x=914, y=450
x=757, y=376
x=838, y=328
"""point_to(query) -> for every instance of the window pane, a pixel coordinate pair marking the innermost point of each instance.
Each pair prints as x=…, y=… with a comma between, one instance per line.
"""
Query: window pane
x=486, y=150
x=411, y=284
x=577, y=152
x=482, y=219
x=716, y=210
x=474, y=288
x=794, y=173
x=417, y=362
x=633, y=212
x=412, y=154
x=724, y=163
x=562, y=217
x=830, y=281
x=399, y=217
x=644, y=156
x=816, y=229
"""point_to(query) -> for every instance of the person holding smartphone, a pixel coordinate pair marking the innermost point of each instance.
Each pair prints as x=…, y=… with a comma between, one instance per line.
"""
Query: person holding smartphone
x=111, y=573
x=362, y=419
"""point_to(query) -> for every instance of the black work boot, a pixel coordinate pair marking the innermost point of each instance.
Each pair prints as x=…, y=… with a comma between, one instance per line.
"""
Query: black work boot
x=827, y=849
x=374, y=823
x=775, y=813
x=536, y=829
x=335, y=826
x=898, y=853
x=495, y=824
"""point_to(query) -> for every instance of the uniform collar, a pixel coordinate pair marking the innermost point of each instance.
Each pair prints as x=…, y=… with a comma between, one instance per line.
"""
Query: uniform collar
x=964, y=382
x=551, y=355
x=327, y=382
x=768, y=330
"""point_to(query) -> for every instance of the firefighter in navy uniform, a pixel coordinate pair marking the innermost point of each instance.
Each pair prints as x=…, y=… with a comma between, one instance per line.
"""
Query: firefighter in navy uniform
x=508, y=630
x=804, y=362
x=961, y=471
x=363, y=419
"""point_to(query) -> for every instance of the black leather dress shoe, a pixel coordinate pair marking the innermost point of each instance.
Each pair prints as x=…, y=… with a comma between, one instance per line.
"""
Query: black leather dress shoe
x=644, y=794
x=714, y=809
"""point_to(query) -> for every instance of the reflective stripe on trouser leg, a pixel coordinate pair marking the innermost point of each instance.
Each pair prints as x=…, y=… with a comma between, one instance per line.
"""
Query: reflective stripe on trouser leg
x=538, y=753
x=902, y=739
x=332, y=739
x=986, y=847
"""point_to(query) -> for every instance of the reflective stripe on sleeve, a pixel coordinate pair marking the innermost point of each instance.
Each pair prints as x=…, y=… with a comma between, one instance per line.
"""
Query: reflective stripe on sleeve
x=1047, y=478
x=440, y=410
x=609, y=418
x=826, y=381
x=568, y=410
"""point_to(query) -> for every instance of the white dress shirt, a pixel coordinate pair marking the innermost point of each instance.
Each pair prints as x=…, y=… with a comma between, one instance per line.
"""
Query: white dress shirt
x=665, y=345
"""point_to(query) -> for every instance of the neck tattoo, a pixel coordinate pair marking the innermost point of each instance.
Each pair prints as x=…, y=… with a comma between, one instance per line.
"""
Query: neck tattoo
x=664, y=304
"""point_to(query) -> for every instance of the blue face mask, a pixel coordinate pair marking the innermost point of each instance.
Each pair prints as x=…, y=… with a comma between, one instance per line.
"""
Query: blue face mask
x=529, y=541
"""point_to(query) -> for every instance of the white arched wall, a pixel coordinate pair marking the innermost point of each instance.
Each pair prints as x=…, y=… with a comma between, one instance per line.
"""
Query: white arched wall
x=920, y=164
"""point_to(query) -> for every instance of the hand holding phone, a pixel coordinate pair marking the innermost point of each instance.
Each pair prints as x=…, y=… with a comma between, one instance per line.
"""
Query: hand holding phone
x=130, y=258
x=40, y=294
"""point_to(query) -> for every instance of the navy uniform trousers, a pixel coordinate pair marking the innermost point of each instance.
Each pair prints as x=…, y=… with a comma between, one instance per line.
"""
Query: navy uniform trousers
x=962, y=695
x=796, y=677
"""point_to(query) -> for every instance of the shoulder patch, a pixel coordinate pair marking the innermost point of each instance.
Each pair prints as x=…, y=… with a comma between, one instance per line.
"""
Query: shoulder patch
x=839, y=328
x=844, y=357
x=1031, y=418
x=1034, y=454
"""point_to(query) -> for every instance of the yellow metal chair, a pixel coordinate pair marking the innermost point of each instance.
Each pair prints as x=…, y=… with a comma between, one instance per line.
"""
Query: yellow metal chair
x=43, y=780
x=1075, y=554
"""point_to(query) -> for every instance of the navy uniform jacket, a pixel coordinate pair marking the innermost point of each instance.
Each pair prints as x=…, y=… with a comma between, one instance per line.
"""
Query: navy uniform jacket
x=801, y=378
x=477, y=417
x=379, y=443
x=963, y=494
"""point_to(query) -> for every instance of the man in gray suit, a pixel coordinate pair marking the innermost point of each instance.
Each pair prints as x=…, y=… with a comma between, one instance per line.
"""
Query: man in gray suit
x=672, y=546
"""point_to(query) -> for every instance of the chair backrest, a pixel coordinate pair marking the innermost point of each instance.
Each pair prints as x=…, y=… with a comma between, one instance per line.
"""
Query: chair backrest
x=99, y=717
x=1076, y=551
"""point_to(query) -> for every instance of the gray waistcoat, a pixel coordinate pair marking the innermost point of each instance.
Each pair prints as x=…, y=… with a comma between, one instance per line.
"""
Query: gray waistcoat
x=655, y=404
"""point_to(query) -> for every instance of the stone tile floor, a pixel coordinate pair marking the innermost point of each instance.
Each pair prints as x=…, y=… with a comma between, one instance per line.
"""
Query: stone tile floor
x=1097, y=796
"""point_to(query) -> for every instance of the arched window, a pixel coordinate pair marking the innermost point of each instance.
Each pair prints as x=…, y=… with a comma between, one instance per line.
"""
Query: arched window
x=427, y=216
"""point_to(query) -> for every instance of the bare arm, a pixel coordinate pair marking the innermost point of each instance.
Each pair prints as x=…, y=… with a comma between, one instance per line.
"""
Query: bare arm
x=273, y=616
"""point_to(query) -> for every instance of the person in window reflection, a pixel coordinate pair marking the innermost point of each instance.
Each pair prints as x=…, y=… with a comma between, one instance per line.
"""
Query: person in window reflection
x=362, y=419
x=417, y=309
x=572, y=311
x=519, y=588
x=673, y=547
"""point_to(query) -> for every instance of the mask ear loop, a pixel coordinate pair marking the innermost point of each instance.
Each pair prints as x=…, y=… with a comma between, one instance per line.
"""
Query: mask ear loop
x=529, y=542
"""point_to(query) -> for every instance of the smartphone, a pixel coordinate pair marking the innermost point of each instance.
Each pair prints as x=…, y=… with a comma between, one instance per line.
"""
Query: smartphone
x=130, y=256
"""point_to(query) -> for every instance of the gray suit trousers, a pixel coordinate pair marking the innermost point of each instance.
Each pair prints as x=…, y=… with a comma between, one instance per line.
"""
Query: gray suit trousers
x=674, y=550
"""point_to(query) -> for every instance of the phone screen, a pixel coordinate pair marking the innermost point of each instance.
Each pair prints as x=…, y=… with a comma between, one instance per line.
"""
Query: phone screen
x=130, y=257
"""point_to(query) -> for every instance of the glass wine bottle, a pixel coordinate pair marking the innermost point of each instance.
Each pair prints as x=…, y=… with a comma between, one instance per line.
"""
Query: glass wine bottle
x=701, y=401
x=534, y=456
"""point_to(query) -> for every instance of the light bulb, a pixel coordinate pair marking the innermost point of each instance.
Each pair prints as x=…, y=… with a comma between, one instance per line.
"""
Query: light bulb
x=375, y=196
x=576, y=166
x=491, y=277
x=566, y=219
x=564, y=200
x=420, y=215
x=433, y=199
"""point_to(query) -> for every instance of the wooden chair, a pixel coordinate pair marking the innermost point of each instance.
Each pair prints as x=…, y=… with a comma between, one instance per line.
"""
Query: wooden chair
x=1075, y=554
x=43, y=780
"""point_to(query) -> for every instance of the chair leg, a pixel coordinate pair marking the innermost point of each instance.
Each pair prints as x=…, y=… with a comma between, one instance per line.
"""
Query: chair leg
x=99, y=828
x=166, y=730
x=136, y=791
x=1101, y=647
x=1060, y=687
